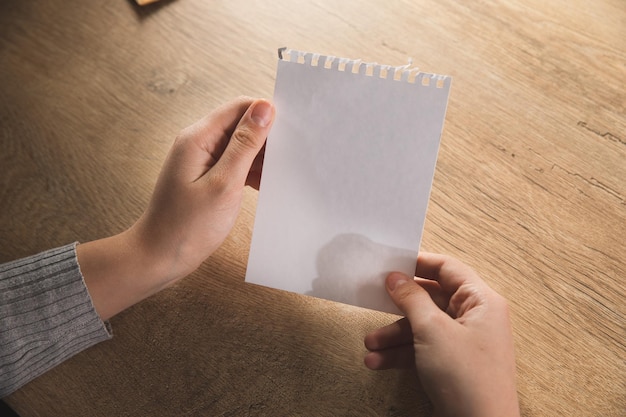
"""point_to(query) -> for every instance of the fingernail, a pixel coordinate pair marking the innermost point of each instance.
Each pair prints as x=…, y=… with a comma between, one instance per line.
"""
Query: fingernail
x=396, y=279
x=262, y=113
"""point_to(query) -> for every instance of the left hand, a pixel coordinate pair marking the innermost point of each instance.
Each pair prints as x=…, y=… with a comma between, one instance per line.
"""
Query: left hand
x=193, y=208
x=199, y=191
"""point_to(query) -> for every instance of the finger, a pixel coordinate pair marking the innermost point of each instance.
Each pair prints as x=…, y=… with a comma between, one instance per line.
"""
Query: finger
x=415, y=302
x=223, y=120
x=449, y=272
x=437, y=294
x=396, y=334
x=245, y=143
x=198, y=147
x=397, y=357
x=254, y=176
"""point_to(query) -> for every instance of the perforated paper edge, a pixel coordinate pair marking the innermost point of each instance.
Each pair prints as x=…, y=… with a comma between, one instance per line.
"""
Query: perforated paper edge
x=403, y=73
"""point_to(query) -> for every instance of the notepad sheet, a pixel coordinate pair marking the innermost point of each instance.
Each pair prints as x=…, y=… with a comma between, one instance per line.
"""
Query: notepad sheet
x=346, y=179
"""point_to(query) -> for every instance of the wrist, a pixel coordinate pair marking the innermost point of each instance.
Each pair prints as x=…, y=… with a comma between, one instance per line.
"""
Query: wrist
x=120, y=271
x=157, y=251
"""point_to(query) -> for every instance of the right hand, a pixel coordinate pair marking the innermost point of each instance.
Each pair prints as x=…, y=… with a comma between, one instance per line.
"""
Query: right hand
x=456, y=333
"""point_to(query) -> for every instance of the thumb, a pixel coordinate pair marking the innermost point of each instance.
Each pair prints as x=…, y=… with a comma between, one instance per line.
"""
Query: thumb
x=415, y=302
x=246, y=141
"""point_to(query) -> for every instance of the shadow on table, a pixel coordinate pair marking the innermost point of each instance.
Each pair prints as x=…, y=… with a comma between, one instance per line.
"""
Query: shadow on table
x=7, y=411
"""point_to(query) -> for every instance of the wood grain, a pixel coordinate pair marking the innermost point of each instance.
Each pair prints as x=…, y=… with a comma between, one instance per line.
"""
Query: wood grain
x=529, y=189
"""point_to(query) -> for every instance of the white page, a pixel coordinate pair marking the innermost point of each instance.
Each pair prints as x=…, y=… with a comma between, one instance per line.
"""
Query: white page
x=346, y=178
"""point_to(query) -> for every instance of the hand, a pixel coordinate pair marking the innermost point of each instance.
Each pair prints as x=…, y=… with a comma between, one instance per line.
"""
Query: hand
x=457, y=335
x=198, y=194
x=194, y=206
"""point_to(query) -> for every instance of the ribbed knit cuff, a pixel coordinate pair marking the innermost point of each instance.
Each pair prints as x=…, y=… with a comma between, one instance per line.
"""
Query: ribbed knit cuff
x=46, y=316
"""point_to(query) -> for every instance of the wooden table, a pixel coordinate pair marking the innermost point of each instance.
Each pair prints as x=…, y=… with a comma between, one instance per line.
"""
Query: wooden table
x=530, y=190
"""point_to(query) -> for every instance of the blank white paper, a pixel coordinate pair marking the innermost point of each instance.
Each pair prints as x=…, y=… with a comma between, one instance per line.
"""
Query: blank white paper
x=346, y=178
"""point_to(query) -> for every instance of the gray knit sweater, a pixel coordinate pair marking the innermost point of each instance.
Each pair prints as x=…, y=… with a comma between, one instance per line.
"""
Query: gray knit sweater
x=46, y=316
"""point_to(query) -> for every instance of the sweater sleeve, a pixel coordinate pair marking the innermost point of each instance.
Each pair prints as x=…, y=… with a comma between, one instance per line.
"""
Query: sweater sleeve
x=46, y=316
